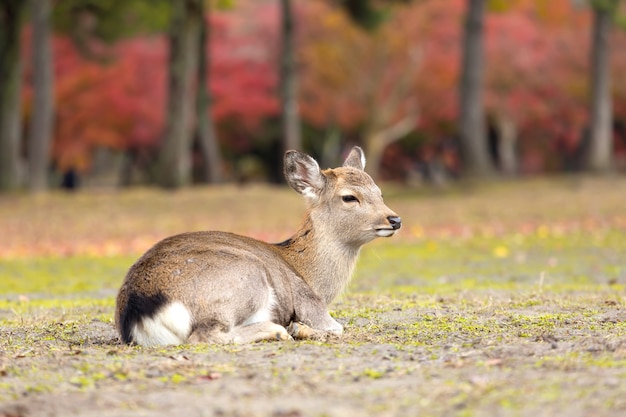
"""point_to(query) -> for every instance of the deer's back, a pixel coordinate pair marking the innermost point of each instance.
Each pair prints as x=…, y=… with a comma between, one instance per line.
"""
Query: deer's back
x=205, y=270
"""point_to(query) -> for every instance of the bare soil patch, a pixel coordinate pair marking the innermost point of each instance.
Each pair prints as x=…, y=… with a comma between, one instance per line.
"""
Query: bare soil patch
x=506, y=309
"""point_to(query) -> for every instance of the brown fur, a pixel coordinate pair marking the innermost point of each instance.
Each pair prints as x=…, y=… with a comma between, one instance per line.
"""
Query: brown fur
x=225, y=281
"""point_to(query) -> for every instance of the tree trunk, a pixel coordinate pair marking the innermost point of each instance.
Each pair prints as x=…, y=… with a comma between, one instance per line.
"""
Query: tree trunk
x=288, y=82
x=43, y=109
x=11, y=12
x=374, y=149
x=472, y=132
x=377, y=141
x=331, y=146
x=601, y=137
x=174, y=161
x=206, y=128
x=507, y=140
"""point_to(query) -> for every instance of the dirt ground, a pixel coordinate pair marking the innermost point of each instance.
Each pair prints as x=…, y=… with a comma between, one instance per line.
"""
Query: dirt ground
x=486, y=355
x=484, y=305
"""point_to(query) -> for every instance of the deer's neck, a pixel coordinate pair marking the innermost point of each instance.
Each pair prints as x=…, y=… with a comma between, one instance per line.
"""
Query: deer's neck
x=325, y=263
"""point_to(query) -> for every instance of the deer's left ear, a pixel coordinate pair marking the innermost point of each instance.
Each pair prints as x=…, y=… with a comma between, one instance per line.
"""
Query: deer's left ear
x=303, y=174
x=355, y=159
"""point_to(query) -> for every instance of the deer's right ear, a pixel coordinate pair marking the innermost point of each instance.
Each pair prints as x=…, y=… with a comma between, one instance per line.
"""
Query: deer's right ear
x=355, y=159
x=303, y=174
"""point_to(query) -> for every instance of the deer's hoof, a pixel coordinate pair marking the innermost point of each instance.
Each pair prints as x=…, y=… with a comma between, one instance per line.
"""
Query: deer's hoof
x=300, y=331
x=282, y=336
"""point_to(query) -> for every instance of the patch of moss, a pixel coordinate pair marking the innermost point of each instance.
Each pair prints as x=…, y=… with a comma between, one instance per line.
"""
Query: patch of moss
x=577, y=360
x=53, y=276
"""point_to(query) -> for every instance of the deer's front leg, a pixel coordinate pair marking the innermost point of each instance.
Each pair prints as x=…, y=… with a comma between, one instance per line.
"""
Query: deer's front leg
x=317, y=325
x=311, y=319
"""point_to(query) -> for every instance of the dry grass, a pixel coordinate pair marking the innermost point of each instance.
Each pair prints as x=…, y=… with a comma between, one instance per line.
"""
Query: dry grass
x=506, y=299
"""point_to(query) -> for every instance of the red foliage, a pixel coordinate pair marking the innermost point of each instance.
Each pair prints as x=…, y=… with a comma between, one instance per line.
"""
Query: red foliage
x=536, y=71
x=350, y=76
x=536, y=52
x=119, y=101
x=438, y=35
x=243, y=69
x=114, y=101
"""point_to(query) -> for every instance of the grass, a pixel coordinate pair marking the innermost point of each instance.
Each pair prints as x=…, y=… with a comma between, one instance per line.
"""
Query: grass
x=497, y=299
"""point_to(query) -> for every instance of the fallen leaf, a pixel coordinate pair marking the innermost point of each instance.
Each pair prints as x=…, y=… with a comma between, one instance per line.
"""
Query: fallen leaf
x=494, y=362
x=211, y=376
x=22, y=354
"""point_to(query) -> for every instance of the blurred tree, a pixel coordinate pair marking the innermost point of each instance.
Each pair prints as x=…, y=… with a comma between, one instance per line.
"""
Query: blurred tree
x=600, y=105
x=391, y=108
x=94, y=26
x=291, y=131
x=245, y=47
x=207, y=134
x=91, y=22
x=519, y=58
x=174, y=161
x=11, y=17
x=139, y=98
x=188, y=71
x=379, y=105
x=535, y=83
x=472, y=131
x=385, y=126
x=41, y=127
x=127, y=93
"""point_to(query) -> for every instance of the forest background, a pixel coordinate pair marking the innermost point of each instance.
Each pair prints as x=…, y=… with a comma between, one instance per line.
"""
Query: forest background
x=171, y=93
x=497, y=298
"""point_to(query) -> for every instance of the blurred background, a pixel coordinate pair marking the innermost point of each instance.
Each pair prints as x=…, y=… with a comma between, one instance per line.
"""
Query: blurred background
x=173, y=93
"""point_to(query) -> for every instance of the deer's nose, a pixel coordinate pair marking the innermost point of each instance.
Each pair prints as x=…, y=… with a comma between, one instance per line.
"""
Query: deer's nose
x=395, y=222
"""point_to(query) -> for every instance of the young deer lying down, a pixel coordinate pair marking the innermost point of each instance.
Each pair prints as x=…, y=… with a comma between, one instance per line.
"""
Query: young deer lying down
x=224, y=288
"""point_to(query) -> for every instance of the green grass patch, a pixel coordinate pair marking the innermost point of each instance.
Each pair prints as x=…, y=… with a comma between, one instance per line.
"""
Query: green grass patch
x=56, y=276
x=564, y=263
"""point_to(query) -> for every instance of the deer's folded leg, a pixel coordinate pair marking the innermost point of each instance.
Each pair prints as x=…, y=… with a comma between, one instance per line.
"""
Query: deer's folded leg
x=301, y=331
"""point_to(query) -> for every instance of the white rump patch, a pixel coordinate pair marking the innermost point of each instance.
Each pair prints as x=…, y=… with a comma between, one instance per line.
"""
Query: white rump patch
x=264, y=313
x=170, y=326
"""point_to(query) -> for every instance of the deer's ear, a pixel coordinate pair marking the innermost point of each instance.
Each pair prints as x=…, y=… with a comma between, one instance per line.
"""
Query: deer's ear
x=355, y=159
x=303, y=174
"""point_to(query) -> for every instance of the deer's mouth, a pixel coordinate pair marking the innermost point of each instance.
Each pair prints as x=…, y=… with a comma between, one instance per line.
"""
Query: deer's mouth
x=385, y=231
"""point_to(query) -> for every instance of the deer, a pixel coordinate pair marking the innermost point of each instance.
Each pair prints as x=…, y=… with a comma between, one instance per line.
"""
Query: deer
x=223, y=288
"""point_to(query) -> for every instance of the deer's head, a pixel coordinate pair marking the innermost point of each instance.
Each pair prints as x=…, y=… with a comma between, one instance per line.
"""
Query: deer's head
x=343, y=201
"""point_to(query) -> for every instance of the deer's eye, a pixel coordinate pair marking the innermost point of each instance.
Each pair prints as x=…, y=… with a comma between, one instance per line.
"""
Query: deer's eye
x=349, y=199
